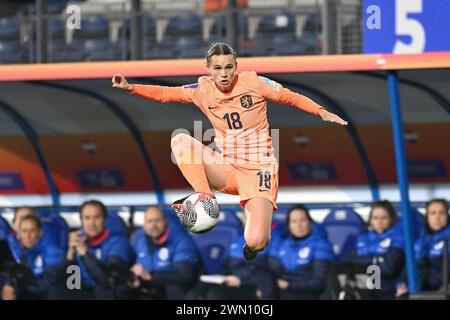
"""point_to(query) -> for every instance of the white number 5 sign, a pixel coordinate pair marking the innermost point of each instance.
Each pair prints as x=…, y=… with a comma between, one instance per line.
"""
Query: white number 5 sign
x=407, y=26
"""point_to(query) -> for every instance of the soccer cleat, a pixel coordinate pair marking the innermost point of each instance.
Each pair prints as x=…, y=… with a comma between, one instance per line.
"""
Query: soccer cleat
x=178, y=205
x=248, y=253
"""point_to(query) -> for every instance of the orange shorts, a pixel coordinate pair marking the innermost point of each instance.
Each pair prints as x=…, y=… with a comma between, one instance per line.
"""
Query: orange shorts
x=252, y=181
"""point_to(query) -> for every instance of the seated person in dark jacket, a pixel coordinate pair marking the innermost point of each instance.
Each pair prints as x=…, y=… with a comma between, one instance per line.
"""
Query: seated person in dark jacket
x=429, y=249
x=244, y=279
x=103, y=258
x=382, y=245
x=302, y=261
x=167, y=261
x=31, y=271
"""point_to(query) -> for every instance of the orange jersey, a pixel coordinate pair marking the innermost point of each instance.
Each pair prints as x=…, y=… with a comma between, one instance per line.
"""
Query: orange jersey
x=239, y=117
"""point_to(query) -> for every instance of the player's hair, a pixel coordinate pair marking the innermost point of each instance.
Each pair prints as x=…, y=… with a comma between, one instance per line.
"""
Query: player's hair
x=96, y=203
x=32, y=211
x=34, y=218
x=219, y=48
x=298, y=207
x=388, y=207
x=427, y=207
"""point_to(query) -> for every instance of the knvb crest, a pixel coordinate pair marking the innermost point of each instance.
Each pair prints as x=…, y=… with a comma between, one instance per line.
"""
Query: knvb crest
x=246, y=101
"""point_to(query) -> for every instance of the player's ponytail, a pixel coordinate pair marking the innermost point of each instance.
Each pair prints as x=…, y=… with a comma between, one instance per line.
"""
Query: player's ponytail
x=219, y=48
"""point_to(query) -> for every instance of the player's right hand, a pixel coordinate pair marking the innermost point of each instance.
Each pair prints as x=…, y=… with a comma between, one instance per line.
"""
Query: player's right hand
x=119, y=81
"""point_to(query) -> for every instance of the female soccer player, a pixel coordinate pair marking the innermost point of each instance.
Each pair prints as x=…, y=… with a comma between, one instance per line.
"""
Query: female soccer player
x=243, y=163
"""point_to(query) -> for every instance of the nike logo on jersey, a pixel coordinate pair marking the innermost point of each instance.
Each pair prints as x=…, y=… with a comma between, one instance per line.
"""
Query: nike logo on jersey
x=209, y=107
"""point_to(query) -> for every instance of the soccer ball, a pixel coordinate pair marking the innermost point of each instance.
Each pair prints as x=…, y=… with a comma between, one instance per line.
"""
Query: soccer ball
x=200, y=213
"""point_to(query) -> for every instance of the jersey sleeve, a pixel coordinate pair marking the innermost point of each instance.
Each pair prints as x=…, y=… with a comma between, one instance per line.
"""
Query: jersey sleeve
x=163, y=94
x=274, y=91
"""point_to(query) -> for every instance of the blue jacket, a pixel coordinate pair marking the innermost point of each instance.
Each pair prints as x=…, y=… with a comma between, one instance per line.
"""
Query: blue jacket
x=109, y=249
x=43, y=260
x=304, y=263
x=429, y=251
x=388, y=245
x=5, y=229
x=386, y=251
x=175, y=260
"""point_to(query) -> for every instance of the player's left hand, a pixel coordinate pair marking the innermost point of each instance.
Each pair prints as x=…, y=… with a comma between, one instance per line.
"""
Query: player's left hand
x=331, y=117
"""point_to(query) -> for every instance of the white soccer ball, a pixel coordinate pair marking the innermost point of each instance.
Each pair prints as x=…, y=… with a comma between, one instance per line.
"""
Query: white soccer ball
x=200, y=213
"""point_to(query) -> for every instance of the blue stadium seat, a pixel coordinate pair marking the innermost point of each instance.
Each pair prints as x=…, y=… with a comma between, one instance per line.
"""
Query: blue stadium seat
x=161, y=52
x=54, y=7
x=10, y=52
x=273, y=23
x=216, y=38
x=188, y=24
x=283, y=39
x=93, y=27
x=56, y=45
x=57, y=29
x=174, y=222
x=115, y=224
x=343, y=226
x=254, y=49
x=291, y=49
x=55, y=227
x=218, y=30
x=97, y=50
x=68, y=55
x=214, y=245
x=311, y=42
x=123, y=45
x=188, y=42
x=93, y=46
x=186, y=46
x=190, y=46
x=313, y=23
x=9, y=29
x=419, y=223
x=148, y=30
x=5, y=228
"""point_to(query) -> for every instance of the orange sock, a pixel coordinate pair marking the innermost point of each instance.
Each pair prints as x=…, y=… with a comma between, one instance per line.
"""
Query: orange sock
x=193, y=170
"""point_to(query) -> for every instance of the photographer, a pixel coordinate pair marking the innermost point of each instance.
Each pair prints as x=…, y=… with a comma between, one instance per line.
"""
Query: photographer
x=31, y=271
x=101, y=257
x=167, y=261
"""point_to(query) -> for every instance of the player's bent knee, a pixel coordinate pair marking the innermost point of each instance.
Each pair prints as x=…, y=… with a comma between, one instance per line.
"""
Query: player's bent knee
x=257, y=243
x=179, y=139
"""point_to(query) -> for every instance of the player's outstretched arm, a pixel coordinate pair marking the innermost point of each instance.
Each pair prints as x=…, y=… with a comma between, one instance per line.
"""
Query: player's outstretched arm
x=157, y=93
x=276, y=92
x=331, y=117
